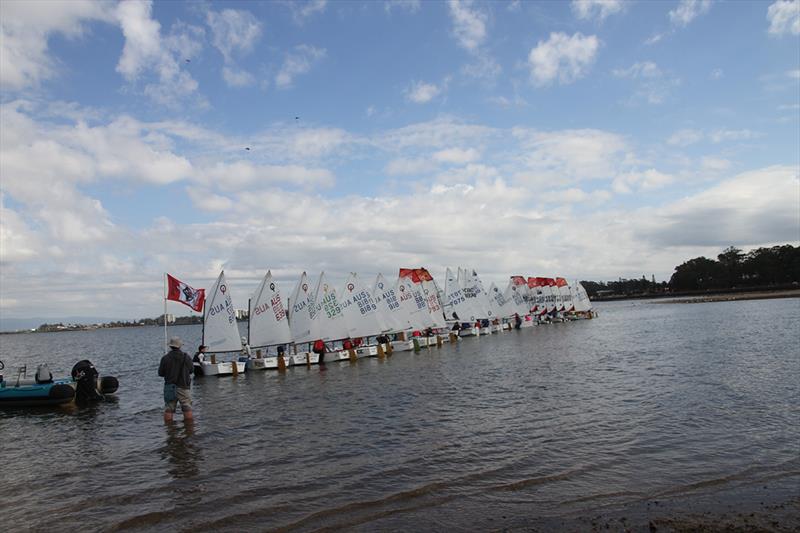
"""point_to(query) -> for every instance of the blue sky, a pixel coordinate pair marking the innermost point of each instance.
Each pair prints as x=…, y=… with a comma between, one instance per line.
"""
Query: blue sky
x=586, y=139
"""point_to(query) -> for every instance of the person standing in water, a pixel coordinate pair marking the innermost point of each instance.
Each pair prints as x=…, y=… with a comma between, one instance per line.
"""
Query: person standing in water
x=176, y=368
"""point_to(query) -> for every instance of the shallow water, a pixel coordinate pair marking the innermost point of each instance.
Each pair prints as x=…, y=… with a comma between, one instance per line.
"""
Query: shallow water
x=650, y=400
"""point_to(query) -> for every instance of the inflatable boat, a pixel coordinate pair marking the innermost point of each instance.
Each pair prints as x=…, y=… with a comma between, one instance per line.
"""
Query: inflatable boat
x=42, y=390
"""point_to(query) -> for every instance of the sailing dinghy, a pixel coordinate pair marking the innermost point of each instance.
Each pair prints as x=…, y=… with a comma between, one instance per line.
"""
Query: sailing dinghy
x=220, y=331
x=269, y=325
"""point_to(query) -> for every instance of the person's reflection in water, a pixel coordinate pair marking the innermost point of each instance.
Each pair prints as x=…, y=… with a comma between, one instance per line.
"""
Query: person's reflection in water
x=181, y=451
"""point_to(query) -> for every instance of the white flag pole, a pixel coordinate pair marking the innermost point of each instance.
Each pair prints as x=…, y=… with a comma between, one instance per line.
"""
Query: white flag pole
x=165, y=312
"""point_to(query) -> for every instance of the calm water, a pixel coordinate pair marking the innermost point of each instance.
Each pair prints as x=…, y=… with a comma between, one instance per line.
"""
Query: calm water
x=649, y=400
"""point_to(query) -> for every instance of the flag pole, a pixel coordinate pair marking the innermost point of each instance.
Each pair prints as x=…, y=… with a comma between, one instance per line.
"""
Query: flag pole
x=165, y=312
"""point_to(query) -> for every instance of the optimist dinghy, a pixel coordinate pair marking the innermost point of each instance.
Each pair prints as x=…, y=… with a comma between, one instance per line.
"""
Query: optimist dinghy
x=268, y=324
x=220, y=331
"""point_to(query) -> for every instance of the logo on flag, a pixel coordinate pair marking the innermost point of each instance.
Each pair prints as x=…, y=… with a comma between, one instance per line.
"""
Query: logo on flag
x=178, y=291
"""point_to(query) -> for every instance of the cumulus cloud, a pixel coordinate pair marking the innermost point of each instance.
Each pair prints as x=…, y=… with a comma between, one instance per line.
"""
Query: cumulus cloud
x=145, y=51
x=469, y=24
x=599, y=9
x=421, y=93
x=562, y=58
x=298, y=61
x=25, y=28
x=685, y=137
x=234, y=32
x=784, y=17
x=688, y=10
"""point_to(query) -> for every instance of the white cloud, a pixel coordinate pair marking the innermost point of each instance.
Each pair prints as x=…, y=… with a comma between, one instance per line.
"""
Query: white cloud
x=145, y=51
x=642, y=180
x=752, y=208
x=237, y=78
x=719, y=136
x=234, y=32
x=208, y=201
x=716, y=74
x=600, y=9
x=469, y=25
x=569, y=155
x=243, y=174
x=784, y=17
x=685, y=137
x=25, y=28
x=409, y=167
x=793, y=74
x=422, y=93
x=301, y=11
x=297, y=62
x=458, y=156
x=562, y=58
x=653, y=85
x=715, y=164
x=688, y=10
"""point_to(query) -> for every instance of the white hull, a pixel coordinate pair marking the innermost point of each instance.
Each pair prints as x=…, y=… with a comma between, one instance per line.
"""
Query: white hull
x=222, y=369
x=367, y=351
x=485, y=331
x=302, y=358
x=265, y=363
x=496, y=328
x=402, y=346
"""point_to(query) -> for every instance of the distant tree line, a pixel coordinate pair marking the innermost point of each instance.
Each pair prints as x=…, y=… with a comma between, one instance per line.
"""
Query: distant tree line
x=762, y=267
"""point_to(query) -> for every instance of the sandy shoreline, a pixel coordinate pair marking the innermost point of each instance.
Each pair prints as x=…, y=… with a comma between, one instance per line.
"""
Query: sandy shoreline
x=761, y=295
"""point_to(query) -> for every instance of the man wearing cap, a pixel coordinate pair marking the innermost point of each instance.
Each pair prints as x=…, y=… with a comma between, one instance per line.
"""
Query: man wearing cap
x=175, y=368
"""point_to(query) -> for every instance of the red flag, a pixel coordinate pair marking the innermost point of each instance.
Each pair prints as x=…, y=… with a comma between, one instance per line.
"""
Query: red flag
x=178, y=291
x=518, y=280
x=410, y=273
x=424, y=275
x=561, y=282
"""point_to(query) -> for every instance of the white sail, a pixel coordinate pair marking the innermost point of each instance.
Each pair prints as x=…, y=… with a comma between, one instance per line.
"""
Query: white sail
x=481, y=297
x=412, y=304
x=582, y=302
x=515, y=295
x=500, y=306
x=455, y=302
x=330, y=323
x=471, y=294
x=220, y=331
x=302, y=312
x=566, y=297
x=549, y=298
x=388, y=306
x=267, y=317
x=360, y=310
x=431, y=293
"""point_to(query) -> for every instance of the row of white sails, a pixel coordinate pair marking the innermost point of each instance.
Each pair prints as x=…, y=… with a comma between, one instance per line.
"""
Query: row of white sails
x=412, y=302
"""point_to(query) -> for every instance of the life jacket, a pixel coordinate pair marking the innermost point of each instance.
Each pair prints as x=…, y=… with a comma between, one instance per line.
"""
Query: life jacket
x=347, y=345
x=319, y=346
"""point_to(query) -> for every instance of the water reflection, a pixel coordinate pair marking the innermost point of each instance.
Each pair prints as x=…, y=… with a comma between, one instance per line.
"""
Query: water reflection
x=181, y=450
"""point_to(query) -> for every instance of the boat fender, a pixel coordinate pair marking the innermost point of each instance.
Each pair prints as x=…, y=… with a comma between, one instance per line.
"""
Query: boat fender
x=43, y=374
x=61, y=391
x=109, y=384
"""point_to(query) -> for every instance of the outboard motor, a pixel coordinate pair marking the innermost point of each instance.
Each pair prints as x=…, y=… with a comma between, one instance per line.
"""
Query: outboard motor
x=85, y=375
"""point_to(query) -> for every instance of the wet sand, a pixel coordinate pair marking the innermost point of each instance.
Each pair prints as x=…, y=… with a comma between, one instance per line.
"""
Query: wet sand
x=760, y=295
